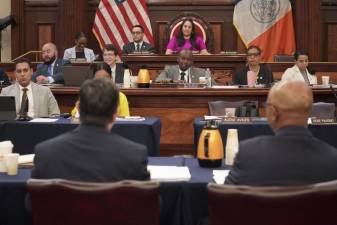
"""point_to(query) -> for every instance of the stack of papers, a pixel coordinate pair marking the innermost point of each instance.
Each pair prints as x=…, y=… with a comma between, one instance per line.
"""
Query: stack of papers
x=169, y=173
x=130, y=118
x=26, y=160
x=219, y=176
x=43, y=120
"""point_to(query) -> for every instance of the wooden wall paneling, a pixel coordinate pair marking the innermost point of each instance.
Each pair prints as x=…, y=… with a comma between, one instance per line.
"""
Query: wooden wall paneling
x=73, y=18
x=332, y=41
x=46, y=33
x=161, y=27
x=18, y=32
x=329, y=35
x=219, y=39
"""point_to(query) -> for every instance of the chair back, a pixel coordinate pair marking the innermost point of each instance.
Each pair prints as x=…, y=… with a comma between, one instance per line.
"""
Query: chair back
x=62, y=202
x=202, y=28
x=323, y=110
x=284, y=58
x=242, y=108
x=301, y=205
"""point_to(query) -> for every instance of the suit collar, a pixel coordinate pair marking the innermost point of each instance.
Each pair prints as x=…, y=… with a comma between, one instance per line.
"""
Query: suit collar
x=88, y=128
x=293, y=131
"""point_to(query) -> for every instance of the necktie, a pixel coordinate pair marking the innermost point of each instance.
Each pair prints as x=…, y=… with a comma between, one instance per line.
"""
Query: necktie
x=24, y=103
x=182, y=75
x=305, y=76
x=49, y=70
x=138, y=48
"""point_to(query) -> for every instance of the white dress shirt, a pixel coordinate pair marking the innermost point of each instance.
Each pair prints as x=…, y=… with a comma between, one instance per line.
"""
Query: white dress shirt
x=140, y=45
x=187, y=76
x=30, y=100
x=113, y=72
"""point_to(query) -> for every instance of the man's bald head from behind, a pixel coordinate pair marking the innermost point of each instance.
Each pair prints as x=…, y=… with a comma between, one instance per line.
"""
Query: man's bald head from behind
x=289, y=104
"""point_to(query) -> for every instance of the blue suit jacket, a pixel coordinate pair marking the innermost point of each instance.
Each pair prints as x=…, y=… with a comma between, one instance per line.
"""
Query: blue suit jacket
x=42, y=69
x=4, y=77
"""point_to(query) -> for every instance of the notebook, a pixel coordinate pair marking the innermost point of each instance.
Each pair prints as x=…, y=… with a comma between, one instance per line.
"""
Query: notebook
x=76, y=75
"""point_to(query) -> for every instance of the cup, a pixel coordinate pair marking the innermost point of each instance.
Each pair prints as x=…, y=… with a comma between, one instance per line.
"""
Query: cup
x=325, y=80
x=5, y=148
x=202, y=80
x=126, y=79
x=251, y=78
x=232, y=146
x=11, y=162
x=133, y=80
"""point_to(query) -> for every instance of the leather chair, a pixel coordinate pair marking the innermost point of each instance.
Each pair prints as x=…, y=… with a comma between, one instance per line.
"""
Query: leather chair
x=301, y=205
x=219, y=108
x=62, y=202
x=284, y=58
x=323, y=110
x=202, y=28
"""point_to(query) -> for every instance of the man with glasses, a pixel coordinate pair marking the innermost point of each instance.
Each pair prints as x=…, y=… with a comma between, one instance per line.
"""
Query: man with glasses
x=138, y=45
x=110, y=57
x=32, y=100
x=293, y=156
x=51, y=70
x=254, y=71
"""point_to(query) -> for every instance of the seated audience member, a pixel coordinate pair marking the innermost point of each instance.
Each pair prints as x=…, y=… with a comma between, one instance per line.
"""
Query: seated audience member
x=138, y=45
x=3, y=78
x=110, y=54
x=90, y=152
x=103, y=71
x=300, y=70
x=261, y=72
x=186, y=39
x=184, y=71
x=79, y=51
x=293, y=156
x=50, y=71
x=31, y=99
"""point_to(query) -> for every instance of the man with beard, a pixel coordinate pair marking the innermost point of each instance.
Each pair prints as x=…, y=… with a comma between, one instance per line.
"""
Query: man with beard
x=51, y=70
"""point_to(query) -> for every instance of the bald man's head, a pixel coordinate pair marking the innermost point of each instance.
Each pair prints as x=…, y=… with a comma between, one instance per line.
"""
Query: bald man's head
x=185, y=59
x=289, y=103
x=49, y=53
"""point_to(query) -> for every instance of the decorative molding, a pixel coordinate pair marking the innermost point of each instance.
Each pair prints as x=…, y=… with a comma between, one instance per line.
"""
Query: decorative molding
x=43, y=3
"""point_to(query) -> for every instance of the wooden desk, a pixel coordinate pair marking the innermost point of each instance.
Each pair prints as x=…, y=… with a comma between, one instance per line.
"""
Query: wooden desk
x=177, y=108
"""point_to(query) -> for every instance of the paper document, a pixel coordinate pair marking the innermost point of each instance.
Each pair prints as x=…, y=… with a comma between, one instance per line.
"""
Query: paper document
x=169, y=173
x=225, y=86
x=43, y=120
x=130, y=118
x=219, y=176
x=26, y=158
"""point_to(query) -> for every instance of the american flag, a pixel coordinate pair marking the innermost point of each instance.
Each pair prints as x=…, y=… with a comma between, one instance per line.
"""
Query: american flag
x=114, y=20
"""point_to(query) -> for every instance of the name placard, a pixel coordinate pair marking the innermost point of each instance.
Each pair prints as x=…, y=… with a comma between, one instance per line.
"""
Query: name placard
x=322, y=121
x=236, y=119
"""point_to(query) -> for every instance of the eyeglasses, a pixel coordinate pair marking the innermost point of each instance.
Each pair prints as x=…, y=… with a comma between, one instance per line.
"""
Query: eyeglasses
x=108, y=54
x=253, y=54
x=136, y=32
x=23, y=70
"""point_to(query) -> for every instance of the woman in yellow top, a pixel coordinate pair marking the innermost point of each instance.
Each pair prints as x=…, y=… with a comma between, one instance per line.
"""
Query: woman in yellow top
x=104, y=70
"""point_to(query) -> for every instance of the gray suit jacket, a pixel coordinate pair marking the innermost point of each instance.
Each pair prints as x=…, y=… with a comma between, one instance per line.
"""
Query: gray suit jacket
x=172, y=73
x=45, y=105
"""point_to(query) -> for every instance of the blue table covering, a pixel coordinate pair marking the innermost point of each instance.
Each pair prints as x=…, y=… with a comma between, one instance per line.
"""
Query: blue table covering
x=324, y=132
x=183, y=203
x=26, y=135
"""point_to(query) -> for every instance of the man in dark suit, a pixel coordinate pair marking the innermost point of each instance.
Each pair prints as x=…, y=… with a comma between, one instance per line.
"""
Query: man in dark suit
x=3, y=78
x=293, y=156
x=90, y=152
x=110, y=55
x=51, y=70
x=138, y=45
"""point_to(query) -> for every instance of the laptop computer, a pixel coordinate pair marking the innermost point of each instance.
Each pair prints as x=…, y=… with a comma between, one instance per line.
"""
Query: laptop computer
x=76, y=75
x=7, y=108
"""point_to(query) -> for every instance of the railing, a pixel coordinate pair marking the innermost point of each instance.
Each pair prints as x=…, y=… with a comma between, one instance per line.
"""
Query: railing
x=34, y=56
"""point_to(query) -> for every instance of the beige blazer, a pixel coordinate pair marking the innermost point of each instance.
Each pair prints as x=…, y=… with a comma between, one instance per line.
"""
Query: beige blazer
x=45, y=104
x=294, y=73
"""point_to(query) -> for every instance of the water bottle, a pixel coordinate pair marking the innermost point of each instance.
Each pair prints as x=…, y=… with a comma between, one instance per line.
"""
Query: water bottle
x=208, y=78
x=127, y=79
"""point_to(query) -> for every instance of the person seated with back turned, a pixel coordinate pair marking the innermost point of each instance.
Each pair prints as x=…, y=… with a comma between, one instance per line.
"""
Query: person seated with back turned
x=79, y=51
x=293, y=156
x=260, y=72
x=184, y=71
x=91, y=153
x=3, y=78
x=138, y=45
x=186, y=39
x=300, y=70
x=31, y=99
x=51, y=70
x=103, y=70
x=110, y=54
